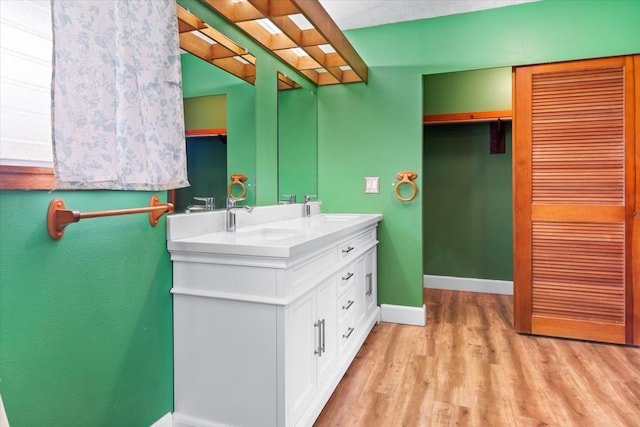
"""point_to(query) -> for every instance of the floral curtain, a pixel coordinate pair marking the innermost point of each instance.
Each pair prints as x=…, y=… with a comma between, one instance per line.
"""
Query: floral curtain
x=117, y=112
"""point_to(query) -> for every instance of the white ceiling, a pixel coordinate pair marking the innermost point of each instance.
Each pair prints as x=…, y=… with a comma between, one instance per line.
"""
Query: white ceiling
x=350, y=14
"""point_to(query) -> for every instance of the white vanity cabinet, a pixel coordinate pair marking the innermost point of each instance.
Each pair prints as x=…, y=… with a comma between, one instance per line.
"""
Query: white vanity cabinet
x=264, y=330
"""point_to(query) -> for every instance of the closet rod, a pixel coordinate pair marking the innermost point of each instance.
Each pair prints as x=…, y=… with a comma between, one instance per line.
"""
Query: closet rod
x=58, y=217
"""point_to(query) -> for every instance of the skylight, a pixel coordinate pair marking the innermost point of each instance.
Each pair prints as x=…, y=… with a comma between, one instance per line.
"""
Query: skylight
x=269, y=26
x=327, y=48
x=301, y=22
x=299, y=51
x=203, y=37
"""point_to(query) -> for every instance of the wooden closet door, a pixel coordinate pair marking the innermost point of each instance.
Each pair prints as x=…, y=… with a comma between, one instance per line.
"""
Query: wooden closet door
x=574, y=178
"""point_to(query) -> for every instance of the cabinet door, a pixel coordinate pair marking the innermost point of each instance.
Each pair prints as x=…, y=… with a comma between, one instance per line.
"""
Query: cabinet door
x=573, y=168
x=312, y=345
x=302, y=343
x=361, y=284
x=371, y=281
x=327, y=314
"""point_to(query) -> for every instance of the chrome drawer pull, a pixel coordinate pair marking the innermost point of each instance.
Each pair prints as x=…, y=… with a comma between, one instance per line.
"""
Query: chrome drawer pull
x=348, y=305
x=349, y=249
x=369, y=284
x=347, y=277
x=348, y=334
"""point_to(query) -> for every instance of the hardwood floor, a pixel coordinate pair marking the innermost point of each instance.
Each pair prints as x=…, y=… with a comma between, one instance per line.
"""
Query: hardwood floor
x=468, y=367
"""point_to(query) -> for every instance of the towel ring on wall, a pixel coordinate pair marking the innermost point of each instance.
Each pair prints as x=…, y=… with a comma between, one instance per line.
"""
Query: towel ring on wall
x=237, y=179
x=406, y=177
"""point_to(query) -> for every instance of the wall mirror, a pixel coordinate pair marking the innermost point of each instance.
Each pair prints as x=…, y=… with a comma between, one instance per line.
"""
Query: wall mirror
x=271, y=123
x=206, y=144
x=218, y=78
x=297, y=140
x=219, y=115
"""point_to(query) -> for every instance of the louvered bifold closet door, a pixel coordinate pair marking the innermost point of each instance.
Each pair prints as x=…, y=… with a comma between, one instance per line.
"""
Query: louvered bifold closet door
x=574, y=178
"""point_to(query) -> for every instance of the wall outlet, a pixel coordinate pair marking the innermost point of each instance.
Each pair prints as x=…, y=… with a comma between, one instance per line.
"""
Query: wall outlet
x=371, y=184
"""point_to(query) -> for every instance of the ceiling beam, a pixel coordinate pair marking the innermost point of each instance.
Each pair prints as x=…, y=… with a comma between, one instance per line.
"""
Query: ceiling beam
x=320, y=19
x=341, y=64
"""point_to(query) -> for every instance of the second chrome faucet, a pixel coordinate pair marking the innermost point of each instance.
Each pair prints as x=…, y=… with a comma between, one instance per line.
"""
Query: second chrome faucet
x=209, y=205
x=231, y=213
x=307, y=205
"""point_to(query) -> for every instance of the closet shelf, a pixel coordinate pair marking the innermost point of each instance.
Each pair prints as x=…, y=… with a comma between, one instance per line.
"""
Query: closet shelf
x=475, y=116
x=206, y=132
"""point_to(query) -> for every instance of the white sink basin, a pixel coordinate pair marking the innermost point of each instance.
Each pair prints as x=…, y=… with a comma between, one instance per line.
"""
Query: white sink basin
x=269, y=234
x=339, y=217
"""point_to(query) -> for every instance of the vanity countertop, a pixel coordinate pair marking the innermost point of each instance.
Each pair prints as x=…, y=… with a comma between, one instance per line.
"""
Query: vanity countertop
x=280, y=239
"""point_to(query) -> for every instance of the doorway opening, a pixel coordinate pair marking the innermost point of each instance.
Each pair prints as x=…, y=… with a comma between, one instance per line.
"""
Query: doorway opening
x=467, y=196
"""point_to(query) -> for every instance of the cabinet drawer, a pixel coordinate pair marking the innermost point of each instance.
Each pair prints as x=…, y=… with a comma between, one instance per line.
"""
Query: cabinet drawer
x=347, y=277
x=309, y=271
x=366, y=238
x=355, y=244
x=347, y=333
x=347, y=248
x=347, y=304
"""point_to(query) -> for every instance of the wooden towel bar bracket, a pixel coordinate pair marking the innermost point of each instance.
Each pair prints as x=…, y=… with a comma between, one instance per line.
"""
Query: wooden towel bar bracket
x=58, y=217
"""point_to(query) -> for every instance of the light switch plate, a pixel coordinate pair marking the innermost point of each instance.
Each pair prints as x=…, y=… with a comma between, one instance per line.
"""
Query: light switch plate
x=372, y=184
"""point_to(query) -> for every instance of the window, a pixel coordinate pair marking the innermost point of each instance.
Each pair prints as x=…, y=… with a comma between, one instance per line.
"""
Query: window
x=25, y=94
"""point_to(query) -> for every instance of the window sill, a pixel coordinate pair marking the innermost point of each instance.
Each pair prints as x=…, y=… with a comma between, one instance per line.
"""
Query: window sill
x=26, y=178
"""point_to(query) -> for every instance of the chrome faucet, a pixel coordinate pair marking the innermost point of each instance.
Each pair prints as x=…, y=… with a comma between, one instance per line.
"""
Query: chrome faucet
x=290, y=199
x=209, y=204
x=307, y=204
x=231, y=214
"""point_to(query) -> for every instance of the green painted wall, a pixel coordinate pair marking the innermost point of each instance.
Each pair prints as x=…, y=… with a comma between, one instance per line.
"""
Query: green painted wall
x=465, y=91
x=85, y=321
x=376, y=129
x=532, y=33
x=467, y=209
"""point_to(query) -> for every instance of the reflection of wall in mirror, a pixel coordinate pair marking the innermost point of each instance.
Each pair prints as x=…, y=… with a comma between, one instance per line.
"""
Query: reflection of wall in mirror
x=207, y=170
x=206, y=155
x=205, y=112
x=297, y=142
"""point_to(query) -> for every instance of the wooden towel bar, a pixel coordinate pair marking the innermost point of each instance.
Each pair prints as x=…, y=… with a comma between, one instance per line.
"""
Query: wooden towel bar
x=58, y=217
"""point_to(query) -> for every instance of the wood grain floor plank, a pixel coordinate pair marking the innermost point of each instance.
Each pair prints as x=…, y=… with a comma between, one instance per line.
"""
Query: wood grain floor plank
x=468, y=367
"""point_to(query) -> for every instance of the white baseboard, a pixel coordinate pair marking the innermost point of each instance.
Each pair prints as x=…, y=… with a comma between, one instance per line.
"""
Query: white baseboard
x=469, y=284
x=403, y=314
x=165, y=421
